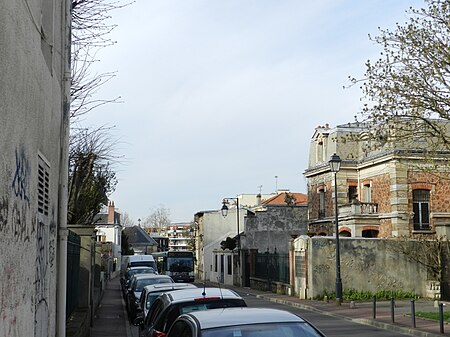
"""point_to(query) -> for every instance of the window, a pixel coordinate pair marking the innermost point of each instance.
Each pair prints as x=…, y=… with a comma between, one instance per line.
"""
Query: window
x=367, y=192
x=352, y=193
x=229, y=269
x=321, y=203
x=421, y=209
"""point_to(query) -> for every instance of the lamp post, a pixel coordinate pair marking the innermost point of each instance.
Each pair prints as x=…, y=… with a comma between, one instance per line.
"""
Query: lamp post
x=335, y=166
x=224, y=211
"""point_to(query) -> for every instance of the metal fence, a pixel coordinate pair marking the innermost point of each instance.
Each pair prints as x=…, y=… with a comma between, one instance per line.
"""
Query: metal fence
x=73, y=272
x=273, y=267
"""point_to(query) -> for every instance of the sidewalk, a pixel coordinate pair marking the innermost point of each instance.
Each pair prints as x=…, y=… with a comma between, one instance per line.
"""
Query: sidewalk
x=111, y=318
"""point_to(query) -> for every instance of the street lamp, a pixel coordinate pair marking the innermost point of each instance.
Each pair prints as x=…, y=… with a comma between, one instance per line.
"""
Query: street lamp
x=224, y=211
x=335, y=166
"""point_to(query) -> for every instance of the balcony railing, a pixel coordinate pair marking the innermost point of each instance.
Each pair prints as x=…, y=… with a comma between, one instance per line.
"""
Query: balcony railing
x=357, y=207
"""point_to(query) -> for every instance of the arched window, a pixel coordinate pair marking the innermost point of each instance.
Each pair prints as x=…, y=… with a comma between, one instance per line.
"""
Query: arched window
x=345, y=234
x=421, y=209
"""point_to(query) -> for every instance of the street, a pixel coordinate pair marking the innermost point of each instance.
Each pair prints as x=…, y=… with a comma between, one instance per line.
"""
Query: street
x=329, y=325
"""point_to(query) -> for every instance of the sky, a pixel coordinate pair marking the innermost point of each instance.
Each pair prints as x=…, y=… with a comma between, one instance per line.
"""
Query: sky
x=222, y=97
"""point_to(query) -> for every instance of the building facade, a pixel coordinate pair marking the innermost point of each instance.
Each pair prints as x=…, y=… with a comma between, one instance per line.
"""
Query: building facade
x=382, y=191
x=34, y=119
x=109, y=230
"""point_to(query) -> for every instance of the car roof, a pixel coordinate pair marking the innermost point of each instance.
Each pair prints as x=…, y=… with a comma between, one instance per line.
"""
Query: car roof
x=241, y=316
x=147, y=276
x=189, y=294
x=139, y=267
x=168, y=286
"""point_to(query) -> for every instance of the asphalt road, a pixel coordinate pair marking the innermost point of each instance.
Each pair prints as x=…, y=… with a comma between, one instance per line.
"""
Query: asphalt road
x=329, y=325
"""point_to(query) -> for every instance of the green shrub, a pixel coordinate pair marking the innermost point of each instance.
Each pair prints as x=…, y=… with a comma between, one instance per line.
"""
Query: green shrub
x=381, y=295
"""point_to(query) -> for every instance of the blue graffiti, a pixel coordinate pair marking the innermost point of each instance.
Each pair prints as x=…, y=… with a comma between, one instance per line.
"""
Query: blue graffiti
x=21, y=177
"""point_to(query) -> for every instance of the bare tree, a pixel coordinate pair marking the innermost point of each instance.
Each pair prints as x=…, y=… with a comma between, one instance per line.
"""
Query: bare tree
x=91, y=27
x=91, y=178
x=126, y=220
x=407, y=90
x=431, y=254
x=158, y=219
x=91, y=151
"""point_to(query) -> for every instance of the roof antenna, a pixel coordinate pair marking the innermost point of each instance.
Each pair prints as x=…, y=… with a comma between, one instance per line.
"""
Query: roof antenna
x=204, y=285
x=220, y=288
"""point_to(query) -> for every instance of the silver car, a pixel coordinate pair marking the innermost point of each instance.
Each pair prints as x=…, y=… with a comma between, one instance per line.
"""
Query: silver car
x=243, y=322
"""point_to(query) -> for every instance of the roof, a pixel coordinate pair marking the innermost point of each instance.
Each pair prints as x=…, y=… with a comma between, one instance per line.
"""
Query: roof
x=137, y=236
x=242, y=315
x=280, y=199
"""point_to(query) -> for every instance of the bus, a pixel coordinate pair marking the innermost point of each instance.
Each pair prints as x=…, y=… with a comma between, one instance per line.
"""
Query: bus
x=178, y=264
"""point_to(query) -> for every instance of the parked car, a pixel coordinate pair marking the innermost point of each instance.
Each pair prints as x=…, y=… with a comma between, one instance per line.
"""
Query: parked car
x=125, y=278
x=151, y=292
x=168, y=306
x=129, y=261
x=245, y=322
x=137, y=283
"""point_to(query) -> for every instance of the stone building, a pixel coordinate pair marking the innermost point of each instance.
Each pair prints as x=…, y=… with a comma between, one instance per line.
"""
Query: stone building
x=382, y=191
x=270, y=225
x=34, y=120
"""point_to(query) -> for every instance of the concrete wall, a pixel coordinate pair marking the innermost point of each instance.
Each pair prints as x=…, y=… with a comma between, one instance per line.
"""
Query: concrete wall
x=272, y=226
x=31, y=120
x=366, y=265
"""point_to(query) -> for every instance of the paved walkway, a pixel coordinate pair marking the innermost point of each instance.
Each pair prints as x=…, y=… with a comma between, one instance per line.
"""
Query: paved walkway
x=111, y=319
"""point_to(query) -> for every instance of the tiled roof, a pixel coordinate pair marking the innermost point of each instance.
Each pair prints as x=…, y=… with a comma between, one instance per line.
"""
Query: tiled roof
x=137, y=236
x=279, y=199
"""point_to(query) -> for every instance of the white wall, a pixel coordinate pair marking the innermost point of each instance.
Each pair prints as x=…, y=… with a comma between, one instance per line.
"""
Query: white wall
x=31, y=119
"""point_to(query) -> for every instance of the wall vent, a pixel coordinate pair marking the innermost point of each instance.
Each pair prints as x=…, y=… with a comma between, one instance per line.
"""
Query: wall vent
x=43, y=186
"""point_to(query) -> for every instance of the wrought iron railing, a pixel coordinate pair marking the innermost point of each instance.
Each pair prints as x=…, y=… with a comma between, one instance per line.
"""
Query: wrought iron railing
x=273, y=267
x=73, y=272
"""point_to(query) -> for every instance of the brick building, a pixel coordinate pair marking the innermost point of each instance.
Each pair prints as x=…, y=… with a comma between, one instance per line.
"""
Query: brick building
x=382, y=191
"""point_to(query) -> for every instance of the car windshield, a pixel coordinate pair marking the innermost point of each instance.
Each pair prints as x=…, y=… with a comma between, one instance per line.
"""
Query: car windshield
x=263, y=330
x=132, y=272
x=180, y=264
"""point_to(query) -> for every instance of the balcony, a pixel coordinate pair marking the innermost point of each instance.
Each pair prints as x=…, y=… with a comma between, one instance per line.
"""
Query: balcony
x=358, y=208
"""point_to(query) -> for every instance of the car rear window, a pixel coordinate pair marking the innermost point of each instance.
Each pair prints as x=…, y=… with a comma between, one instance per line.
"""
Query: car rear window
x=183, y=308
x=264, y=330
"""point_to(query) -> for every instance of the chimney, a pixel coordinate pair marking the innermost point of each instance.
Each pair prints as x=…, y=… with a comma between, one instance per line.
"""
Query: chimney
x=111, y=211
x=258, y=199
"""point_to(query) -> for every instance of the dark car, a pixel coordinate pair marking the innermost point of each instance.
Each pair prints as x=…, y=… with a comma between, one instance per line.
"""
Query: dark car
x=137, y=284
x=125, y=278
x=151, y=292
x=168, y=306
x=244, y=322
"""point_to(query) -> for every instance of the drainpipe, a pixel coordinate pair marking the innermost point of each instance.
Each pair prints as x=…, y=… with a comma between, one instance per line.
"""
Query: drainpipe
x=63, y=173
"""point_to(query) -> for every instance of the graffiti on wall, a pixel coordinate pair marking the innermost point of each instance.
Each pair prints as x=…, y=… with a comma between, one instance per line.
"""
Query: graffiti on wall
x=20, y=184
x=41, y=282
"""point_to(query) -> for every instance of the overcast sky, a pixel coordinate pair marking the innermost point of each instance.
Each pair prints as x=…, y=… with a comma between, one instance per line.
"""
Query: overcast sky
x=221, y=96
